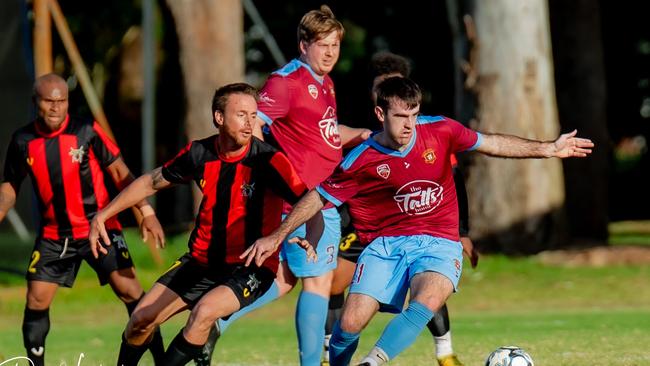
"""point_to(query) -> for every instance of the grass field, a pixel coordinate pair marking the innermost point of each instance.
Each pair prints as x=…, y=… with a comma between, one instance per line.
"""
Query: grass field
x=561, y=316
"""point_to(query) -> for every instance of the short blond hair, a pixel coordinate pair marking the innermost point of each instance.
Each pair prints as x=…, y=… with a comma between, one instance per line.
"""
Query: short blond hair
x=317, y=24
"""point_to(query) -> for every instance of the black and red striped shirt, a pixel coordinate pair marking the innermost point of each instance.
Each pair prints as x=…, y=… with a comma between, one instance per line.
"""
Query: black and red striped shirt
x=242, y=197
x=66, y=168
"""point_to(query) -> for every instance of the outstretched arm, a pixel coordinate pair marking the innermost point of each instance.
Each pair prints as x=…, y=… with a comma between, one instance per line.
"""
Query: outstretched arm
x=307, y=207
x=141, y=188
x=508, y=146
x=7, y=199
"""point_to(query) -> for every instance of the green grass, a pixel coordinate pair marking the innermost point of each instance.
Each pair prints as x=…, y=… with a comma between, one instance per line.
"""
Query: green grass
x=561, y=316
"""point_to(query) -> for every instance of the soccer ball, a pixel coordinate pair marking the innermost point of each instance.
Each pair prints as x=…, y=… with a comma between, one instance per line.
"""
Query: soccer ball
x=509, y=356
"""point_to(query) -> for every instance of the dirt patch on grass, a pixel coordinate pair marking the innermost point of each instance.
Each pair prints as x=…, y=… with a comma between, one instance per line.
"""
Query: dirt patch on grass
x=598, y=256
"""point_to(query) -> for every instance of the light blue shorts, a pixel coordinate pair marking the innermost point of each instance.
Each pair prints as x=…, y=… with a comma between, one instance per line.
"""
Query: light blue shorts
x=387, y=265
x=327, y=250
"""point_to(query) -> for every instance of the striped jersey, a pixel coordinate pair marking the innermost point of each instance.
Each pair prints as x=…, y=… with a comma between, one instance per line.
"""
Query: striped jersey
x=66, y=168
x=242, y=197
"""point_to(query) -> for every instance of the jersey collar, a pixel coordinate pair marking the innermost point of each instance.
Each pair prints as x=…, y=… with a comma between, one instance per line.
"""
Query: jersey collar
x=389, y=151
x=50, y=134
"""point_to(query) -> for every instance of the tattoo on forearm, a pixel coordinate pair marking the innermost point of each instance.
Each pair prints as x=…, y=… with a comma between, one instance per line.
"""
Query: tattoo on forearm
x=157, y=178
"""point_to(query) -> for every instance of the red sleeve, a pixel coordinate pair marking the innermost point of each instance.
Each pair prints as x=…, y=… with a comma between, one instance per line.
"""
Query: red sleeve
x=339, y=187
x=105, y=149
x=286, y=182
x=275, y=99
x=462, y=138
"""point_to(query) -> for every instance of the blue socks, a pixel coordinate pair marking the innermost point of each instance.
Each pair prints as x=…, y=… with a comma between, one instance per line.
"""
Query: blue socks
x=271, y=294
x=404, y=329
x=342, y=346
x=311, y=314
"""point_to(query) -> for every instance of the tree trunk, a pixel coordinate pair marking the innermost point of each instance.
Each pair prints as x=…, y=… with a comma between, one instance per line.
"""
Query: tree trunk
x=580, y=78
x=515, y=205
x=211, y=38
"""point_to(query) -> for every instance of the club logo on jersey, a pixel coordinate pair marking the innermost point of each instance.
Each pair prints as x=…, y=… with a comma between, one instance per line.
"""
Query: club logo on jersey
x=429, y=156
x=329, y=128
x=418, y=197
x=264, y=98
x=247, y=189
x=30, y=161
x=384, y=171
x=77, y=154
x=313, y=90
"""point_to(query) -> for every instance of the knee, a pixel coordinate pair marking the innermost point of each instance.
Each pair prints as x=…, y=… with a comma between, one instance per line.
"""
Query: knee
x=143, y=321
x=37, y=301
x=203, y=317
x=350, y=325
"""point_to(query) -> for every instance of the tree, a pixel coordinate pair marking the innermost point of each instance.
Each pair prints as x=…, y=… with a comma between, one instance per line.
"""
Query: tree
x=515, y=205
x=211, y=39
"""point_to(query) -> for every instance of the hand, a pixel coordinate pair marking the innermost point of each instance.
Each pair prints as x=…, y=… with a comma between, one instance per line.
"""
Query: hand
x=470, y=252
x=568, y=146
x=260, y=250
x=97, y=233
x=365, y=134
x=306, y=245
x=150, y=227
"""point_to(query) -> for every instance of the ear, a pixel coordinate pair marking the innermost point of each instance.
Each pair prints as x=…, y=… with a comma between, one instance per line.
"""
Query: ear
x=380, y=114
x=302, y=45
x=218, y=118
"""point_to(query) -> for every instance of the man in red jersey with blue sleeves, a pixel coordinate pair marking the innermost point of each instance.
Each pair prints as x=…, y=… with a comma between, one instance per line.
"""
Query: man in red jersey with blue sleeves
x=400, y=191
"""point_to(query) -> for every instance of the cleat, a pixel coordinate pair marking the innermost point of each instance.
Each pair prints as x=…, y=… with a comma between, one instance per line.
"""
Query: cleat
x=449, y=360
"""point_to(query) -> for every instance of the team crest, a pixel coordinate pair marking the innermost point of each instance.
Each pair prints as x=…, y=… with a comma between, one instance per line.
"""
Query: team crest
x=247, y=189
x=313, y=91
x=429, y=156
x=30, y=161
x=384, y=171
x=77, y=154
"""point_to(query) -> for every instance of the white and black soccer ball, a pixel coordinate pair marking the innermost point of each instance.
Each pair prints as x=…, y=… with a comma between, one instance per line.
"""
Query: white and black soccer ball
x=509, y=356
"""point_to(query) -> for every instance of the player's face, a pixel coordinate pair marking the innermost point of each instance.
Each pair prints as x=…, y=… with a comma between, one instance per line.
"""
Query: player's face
x=399, y=122
x=239, y=118
x=52, y=103
x=322, y=54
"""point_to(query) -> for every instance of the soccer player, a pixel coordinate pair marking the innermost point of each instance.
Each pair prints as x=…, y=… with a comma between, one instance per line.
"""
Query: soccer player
x=382, y=66
x=400, y=191
x=244, y=182
x=298, y=108
x=66, y=158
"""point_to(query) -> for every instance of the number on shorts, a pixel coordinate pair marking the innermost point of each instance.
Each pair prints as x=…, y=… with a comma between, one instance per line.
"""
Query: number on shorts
x=330, y=254
x=36, y=255
x=346, y=242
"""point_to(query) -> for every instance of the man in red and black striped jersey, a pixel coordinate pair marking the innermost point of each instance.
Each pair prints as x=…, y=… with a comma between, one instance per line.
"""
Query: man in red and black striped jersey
x=67, y=158
x=244, y=182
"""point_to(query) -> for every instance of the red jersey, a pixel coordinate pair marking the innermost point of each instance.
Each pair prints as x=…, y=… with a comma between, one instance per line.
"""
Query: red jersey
x=300, y=109
x=242, y=197
x=66, y=168
x=393, y=193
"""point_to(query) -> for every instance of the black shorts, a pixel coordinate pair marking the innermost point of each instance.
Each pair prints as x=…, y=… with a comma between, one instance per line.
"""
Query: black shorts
x=350, y=247
x=191, y=280
x=54, y=261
